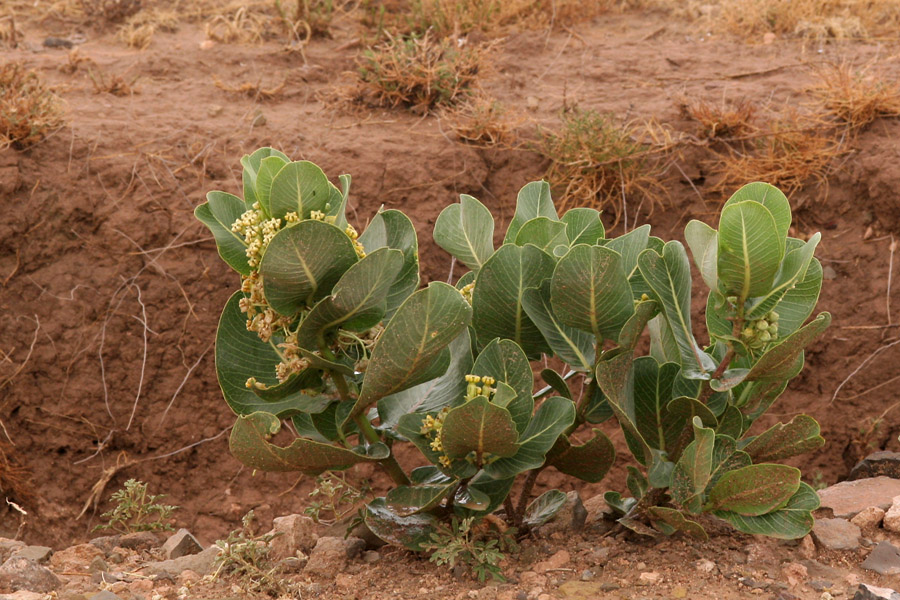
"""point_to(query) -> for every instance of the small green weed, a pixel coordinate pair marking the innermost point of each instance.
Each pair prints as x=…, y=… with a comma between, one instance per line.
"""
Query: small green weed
x=461, y=542
x=136, y=510
x=334, y=498
x=245, y=556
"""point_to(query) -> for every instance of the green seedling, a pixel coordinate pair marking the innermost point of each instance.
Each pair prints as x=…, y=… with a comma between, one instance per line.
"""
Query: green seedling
x=136, y=510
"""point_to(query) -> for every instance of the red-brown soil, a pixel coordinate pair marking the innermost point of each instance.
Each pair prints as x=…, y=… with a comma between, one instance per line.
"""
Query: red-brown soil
x=110, y=290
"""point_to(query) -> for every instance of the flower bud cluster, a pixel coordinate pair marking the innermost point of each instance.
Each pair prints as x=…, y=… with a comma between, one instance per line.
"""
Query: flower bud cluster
x=431, y=428
x=467, y=291
x=257, y=232
x=486, y=388
x=761, y=332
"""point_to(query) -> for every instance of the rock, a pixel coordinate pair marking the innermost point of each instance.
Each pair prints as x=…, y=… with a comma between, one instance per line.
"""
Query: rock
x=794, y=573
x=75, y=558
x=23, y=595
x=650, y=578
x=139, y=540
x=371, y=556
x=557, y=561
x=107, y=543
x=354, y=547
x=99, y=577
x=807, y=547
x=8, y=546
x=98, y=564
x=581, y=590
x=19, y=573
x=869, y=518
x=201, y=563
x=292, y=564
x=294, y=533
x=571, y=517
x=836, y=534
x=181, y=544
x=876, y=464
x=848, y=498
x=870, y=592
x=587, y=575
x=104, y=595
x=327, y=558
x=705, y=566
x=884, y=559
x=598, y=511
x=892, y=516
x=39, y=554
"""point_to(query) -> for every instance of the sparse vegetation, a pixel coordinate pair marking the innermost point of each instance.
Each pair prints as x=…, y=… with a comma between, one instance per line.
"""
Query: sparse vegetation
x=244, y=556
x=109, y=11
x=856, y=97
x=256, y=91
x=29, y=110
x=724, y=120
x=115, y=85
x=595, y=161
x=419, y=72
x=481, y=120
x=138, y=29
x=136, y=510
x=334, y=498
x=479, y=548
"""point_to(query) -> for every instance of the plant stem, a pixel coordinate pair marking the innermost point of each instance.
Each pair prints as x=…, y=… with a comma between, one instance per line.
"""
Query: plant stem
x=525, y=496
x=390, y=463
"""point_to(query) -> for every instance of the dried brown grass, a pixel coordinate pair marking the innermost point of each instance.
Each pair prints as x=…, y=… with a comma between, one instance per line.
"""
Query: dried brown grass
x=29, y=109
x=138, y=30
x=598, y=162
x=255, y=90
x=15, y=480
x=838, y=19
x=482, y=121
x=790, y=152
x=724, y=120
x=111, y=84
x=419, y=72
x=856, y=98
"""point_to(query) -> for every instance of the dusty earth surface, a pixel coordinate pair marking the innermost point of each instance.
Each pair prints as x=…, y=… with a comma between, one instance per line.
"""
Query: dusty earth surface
x=110, y=290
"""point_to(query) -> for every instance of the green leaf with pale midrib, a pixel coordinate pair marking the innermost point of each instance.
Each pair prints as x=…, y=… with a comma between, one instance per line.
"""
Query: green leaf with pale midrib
x=792, y=521
x=480, y=427
x=533, y=201
x=505, y=361
x=573, y=346
x=466, y=230
x=793, y=269
x=393, y=229
x=749, y=250
x=219, y=213
x=299, y=187
x=785, y=440
x=754, y=490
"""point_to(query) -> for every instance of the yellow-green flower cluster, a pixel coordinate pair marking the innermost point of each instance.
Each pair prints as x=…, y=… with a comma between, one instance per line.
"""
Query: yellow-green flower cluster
x=467, y=291
x=761, y=332
x=486, y=388
x=257, y=232
x=431, y=427
x=353, y=235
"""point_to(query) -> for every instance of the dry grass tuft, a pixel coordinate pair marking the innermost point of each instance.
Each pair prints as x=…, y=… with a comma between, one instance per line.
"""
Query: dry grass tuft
x=838, y=19
x=110, y=11
x=15, y=480
x=29, y=110
x=113, y=84
x=9, y=35
x=599, y=163
x=75, y=62
x=794, y=150
x=138, y=30
x=856, y=98
x=481, y=121
x=726, y=120
x=260, y=20
x=419, y=72
x=308, y=18
x=255, y=91
x=238, y=23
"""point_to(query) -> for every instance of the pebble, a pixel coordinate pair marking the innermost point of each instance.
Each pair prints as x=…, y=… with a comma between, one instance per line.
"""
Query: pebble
x=649, y=578
x=75, y=558
x=557, y=561
x=20, y=573
x=870, y=592
x=98, y=564
x=39, y=554
x=836, y=534
x=587, y=575
x=884, y=559
x=892, y=516
x=139, y=540
x=294, y=533
x=869, y=518
x=878, y=463
x=705, y=566
x=327, y=558
x=104, y=595
x=181, y=543
x=371, y=556
x=201, y=563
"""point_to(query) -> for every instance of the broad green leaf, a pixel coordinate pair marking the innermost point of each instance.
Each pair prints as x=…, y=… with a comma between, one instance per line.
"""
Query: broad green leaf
x=471, y=498
x=782, y=441
x=785, y=360
x=533, y=201
x=544, y=233
x=663, y=346
x=793, y=269
x=409, y=532
x=754, y=490
x=249, y=444
x=550, y=420
x=480, y=427
x=669, y=275
x=251, y=163
x=629, y=246
x=731, y=422
x=358, y=299
x=677, y=521
x=240, y=355
x=769, y=196
x=686, y=408
x=495, y=489
x=726, y=457
x=299, y=187
x=428, y=475
x=589, y=462
x=792, y=521
x=573, y=346
x=615, y=376
x=636, y=483
x=412, y=349
x=506, y=363
x=750, y=250
x=590, y=292
x=717, y=314
x=305, y=428
x=543, y=508
x=305, y=380
x=583, y=226
x=557, y=383
x=433, y=395
x=756, y=397
x=644, y=312
x=218, y=213
x=466, y=230
x=661, y=471
x=694, y=468
x=302, y=263
x=393, y=229
x=326, y=423
x=798, y=303
x=619, y=505
x=497, y=301
x=410, y=427
x=408, y=499
x=338, y=202
x=703, y=241
x=652, y=393
x=268, y=169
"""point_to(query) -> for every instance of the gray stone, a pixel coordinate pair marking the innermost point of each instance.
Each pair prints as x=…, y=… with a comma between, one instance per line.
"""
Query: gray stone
x=870, y=592
x=571, y=517
x=98, y=564
x=181, y=544
x=836, y=534
x=354, y=547
x=39, y=554
x=884, y=559
x=292, y=564
x=327, y=558
x=99, y=577
x=106, y=543
x=104, y=595
x=23, y=595
x=371, y=556
x=19, y=573
x=294, y=533
x=878, y=463
x=892, y=517
x=819, y=571
x=140, y=540
x=7, y=547
x=849, y=498
x=201, y=563
x=869, y=518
